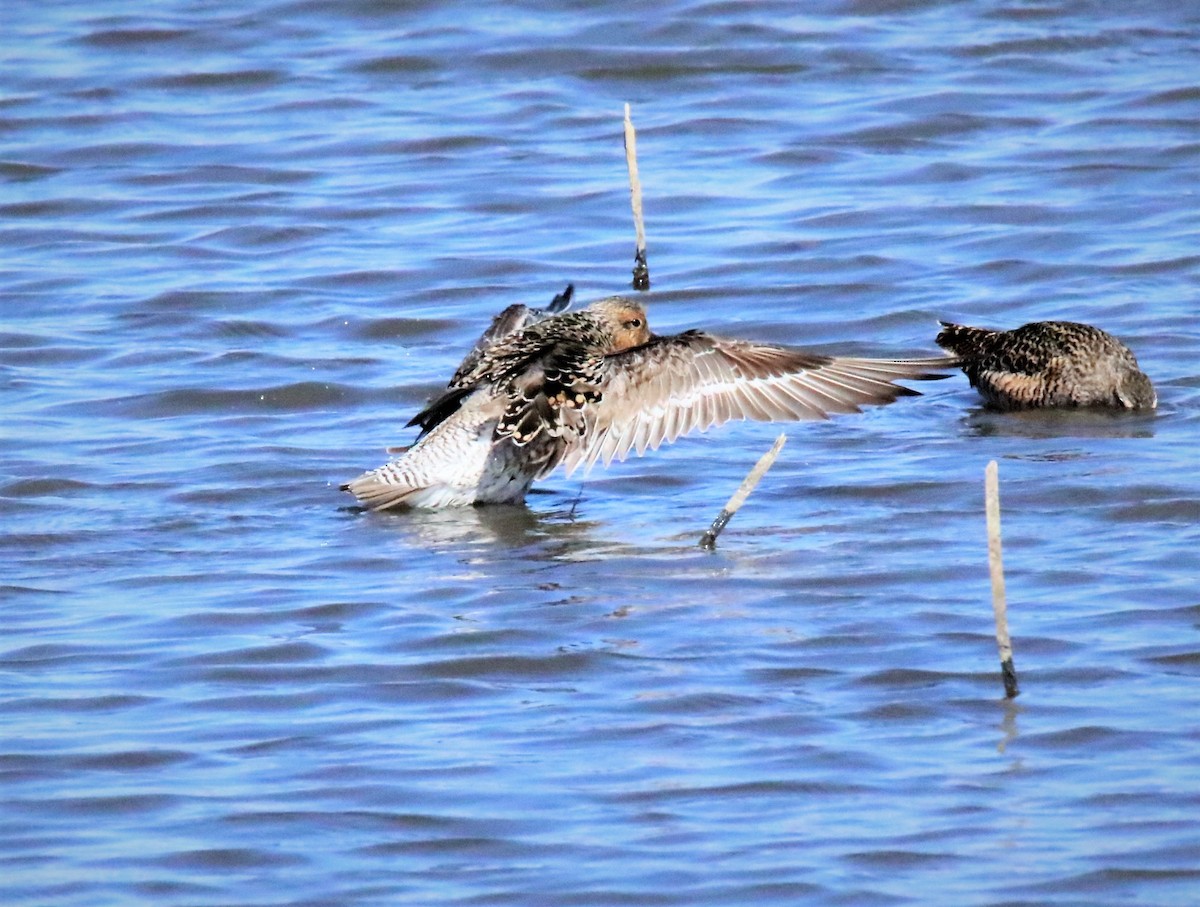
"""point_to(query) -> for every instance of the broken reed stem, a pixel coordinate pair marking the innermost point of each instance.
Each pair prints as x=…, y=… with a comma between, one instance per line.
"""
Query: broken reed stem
x=708, y=541
x=641, y=271
x=996, y=568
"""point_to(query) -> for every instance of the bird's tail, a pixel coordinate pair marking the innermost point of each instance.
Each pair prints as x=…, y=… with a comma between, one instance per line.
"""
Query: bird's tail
x=382, y=488
x=961, y=339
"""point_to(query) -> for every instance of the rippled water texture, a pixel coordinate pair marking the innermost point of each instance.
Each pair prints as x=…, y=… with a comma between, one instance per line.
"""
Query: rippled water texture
x=240, y=244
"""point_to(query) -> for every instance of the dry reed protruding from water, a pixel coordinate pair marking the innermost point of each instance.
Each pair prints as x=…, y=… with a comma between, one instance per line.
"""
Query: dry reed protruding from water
x=641, y=270
x=996, y=568
x=708, y=541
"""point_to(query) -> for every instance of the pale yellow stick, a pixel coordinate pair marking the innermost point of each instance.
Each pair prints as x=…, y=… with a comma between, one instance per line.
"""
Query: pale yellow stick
x=708, y=541
x=641, y=271
x=996, y=568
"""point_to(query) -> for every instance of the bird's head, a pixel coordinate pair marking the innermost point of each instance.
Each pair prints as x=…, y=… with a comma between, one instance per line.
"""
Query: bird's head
x=624, y=320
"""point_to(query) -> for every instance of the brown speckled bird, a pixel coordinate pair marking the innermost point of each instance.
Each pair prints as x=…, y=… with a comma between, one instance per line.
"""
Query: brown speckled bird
x=577, y=388
x=1049, y=364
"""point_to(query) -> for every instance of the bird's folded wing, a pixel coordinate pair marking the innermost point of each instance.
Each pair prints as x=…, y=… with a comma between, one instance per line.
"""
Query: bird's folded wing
x=515, y=318
x=688, y=382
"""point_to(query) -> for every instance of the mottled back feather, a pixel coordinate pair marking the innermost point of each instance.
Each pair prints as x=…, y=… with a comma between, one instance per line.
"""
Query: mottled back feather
x=1047, y=364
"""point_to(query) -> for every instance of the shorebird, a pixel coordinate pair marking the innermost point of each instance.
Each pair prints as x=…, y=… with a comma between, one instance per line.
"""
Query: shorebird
x=543, y=389
x=1049, y=364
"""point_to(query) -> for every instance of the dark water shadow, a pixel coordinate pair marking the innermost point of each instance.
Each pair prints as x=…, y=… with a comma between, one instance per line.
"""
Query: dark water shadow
x=1059, y=423
x=542, y=531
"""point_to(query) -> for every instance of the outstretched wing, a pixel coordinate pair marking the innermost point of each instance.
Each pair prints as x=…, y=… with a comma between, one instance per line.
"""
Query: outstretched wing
x=688, y=382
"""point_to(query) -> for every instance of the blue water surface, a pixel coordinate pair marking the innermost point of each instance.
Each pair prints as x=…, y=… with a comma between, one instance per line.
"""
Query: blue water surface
x=240, y=245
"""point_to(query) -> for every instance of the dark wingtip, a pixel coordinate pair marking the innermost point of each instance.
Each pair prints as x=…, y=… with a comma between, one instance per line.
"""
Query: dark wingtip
x=562, y=301
x=439, y=409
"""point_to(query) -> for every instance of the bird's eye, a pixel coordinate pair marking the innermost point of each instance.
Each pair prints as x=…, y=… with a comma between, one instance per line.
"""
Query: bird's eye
x=633, y=323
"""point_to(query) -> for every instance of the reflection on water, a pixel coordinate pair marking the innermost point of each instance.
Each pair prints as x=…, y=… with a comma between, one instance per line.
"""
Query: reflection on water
x=508, y=531
x=1009, y=729
x=1040, y=425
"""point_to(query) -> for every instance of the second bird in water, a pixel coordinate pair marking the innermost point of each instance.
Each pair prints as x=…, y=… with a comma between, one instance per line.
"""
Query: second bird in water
x=1048, y=365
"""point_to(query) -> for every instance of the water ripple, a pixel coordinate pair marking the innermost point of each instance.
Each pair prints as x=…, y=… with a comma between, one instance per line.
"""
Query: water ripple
x=243, y=247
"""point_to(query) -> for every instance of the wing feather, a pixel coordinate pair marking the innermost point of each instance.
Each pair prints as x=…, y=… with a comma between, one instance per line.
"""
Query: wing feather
x=671, y=386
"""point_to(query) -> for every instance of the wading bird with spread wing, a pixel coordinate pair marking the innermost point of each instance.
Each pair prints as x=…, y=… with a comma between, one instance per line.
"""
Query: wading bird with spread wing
x=544, y=388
